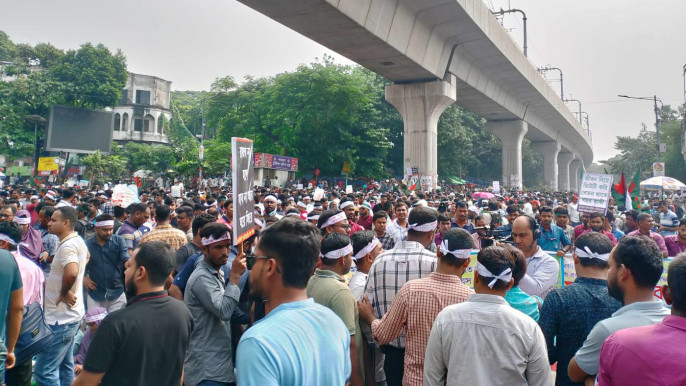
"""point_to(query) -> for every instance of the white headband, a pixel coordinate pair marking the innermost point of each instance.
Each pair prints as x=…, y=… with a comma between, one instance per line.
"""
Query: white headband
x=270, y=197
x=505, y=276
x=338, y=253
x=459, y=253
x=22, y=220
x=334, y=219
x=367, y=249
x=293, y=214
x=4, y=237
x=313, y=217
x=300, y=203
x=106, y=223
x=258, y=222
x=212, y=240
x=424, y=227
x=345, y=205
x=587, y=253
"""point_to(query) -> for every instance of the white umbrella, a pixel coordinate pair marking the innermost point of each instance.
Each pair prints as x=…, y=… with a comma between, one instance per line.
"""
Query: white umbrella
x=143, y=173
x=665, y=183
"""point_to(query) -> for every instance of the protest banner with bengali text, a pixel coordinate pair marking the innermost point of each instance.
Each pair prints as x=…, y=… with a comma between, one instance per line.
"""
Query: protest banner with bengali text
x=242, y=179
x=594, y=193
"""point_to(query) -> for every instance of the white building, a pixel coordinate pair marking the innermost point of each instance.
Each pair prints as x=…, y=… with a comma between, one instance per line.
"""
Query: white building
x=142, y=109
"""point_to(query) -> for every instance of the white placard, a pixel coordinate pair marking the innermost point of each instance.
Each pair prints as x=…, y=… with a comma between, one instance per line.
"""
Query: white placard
x=348, y=189
x=122, y=196
x=594, y=193
x=496, y=187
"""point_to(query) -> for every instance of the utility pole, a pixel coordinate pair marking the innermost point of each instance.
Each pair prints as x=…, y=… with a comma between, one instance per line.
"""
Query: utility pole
x=562, y=84
x=503, y=12
x=655, y=99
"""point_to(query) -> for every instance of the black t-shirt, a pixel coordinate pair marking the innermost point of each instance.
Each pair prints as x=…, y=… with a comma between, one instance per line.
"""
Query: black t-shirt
x=142, y=344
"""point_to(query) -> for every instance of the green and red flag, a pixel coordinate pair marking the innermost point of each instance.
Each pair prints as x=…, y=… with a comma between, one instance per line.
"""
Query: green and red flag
x=627, y=193
x=619, y=192
x=634, y=190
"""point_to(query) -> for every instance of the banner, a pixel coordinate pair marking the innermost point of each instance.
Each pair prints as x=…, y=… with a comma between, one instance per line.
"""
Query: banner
x=346, y=168
x=48, y=165
x=594, y=193
x=242, y=179
x=123, y=196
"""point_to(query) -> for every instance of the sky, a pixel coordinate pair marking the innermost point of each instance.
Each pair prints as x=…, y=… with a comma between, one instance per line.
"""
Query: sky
x=604, y=47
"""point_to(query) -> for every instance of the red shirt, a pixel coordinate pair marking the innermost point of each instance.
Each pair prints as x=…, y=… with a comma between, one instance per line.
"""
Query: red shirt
x=606, y=233
x=365, y=222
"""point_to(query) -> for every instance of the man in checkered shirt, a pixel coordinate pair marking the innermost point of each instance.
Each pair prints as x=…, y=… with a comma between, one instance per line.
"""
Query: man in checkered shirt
x=392, y=269
x=419, y=301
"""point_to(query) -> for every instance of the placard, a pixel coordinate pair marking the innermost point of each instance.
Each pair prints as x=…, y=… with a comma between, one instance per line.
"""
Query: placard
x=496, y=187
x=348, y=189
x=242, y=179
x=427, y=183
x=123, y=196
x=594, y=193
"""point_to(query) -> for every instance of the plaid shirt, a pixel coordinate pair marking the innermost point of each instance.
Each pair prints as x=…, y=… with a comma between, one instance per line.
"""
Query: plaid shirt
x=391, y=270
x=387, y=241
x=415, y=308
x=172, y=236
x=106, y=208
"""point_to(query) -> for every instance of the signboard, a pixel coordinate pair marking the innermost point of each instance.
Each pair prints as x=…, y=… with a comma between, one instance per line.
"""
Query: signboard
x=594, y=193
x=496, y=187
x=123, y=196
x=658, y=169
x=201, y=152
x=346, y=168
x=48, y=165
x=408, y=172
x=278, y=162
x=415, y=170
x=259, y=160
x=242, y=179
x=427, y=183
x=663, y=148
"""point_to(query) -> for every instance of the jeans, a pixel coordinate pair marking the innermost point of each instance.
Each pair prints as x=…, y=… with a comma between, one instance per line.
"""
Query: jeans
x=3, y=356
x=393, y=365
x=55, y=364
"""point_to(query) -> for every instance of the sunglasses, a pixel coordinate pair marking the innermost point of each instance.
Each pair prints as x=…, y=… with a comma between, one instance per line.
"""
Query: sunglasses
x=251, y=259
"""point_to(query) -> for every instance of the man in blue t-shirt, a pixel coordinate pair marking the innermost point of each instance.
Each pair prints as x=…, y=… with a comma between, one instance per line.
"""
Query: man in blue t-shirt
x=553, y=238
x=298, y=342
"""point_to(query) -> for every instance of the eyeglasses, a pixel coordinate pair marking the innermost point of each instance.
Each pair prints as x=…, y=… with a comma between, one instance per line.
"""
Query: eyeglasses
x=251, y=259
x=3, y=215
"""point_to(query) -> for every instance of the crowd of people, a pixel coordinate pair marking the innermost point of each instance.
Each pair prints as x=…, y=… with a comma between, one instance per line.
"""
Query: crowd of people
x=335, y=288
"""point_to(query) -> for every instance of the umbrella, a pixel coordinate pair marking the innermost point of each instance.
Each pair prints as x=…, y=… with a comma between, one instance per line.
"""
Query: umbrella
x=666, y=183
x=481, y=195
x=2, y=175
x=143, y=173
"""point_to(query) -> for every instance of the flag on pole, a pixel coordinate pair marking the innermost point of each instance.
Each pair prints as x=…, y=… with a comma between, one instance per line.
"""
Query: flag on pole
x=619, y=192
x=633, y=191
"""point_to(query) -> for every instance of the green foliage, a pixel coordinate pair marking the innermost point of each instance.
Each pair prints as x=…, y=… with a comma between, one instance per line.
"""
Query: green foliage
x=217, y=157
x=98, y=165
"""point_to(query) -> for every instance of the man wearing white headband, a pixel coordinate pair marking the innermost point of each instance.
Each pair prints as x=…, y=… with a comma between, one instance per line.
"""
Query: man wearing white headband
x=212, y=302
x=270, y=207
x=105, y=270
x=365, y=220
x=349, y=208
x=327, y=287
x=416, y=305
x=366, y=247
x=408, y=260
x=483, y=325
x=570, y=312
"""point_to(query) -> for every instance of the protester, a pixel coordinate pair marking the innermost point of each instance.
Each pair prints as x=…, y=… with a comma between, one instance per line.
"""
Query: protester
x=380, y=220
x=11, y=306
x=484, y=341
x=416, y=305
x=583, y=227
x=144, y=343
x=635, y=266
x=391, y=270
x=652, y=354
x=104, y=277
x=569, y=313
x=518, y=299
x=397, y=228
x=134, y=228
x=50, y=241
x=668, y=220
x=553, y=238
x=64, y=302
x=31, y=244
x=184, y=221
x=309, y=344
x=212, y=302
x=645, y=228
x=327, y=287
x=193, y=247
x=541, y=269
x=366, y=247
x=677, y=243
x=348, y=206
x=93, y=318
x=596, y=223
x=164, y=231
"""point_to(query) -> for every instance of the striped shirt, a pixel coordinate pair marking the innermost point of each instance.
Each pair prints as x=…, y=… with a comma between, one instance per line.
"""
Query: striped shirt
x=391, y=270
x=166, y=233
x=415, y=308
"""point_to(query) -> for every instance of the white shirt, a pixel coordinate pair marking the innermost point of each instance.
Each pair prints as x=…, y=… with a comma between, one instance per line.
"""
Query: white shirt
x=528, y=209
x=484, y=341
x=356, y=284
x=71, y=250
x=573, y=212
x=396, y=231
x=542, y=272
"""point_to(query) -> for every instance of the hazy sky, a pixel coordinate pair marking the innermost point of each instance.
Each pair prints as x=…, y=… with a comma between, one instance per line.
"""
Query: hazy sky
x=604, y=47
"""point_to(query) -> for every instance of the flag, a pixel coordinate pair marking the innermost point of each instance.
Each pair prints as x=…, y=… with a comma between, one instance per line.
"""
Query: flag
x=633, y=190
x=413, y=187
x=619, y=192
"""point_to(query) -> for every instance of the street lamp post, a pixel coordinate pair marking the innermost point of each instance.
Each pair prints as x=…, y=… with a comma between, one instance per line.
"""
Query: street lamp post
x=36, y=120
x=562, y=85
x=577, y=101
x=503, y=12
x=655, y=99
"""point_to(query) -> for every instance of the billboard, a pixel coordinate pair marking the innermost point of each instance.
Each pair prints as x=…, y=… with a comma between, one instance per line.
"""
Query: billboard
x=79, y=130
x=278, y=162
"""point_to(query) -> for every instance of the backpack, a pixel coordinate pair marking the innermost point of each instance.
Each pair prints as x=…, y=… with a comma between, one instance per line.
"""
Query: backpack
x=85, y=229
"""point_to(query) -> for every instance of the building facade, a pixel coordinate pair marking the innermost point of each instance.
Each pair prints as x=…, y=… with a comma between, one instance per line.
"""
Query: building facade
x=142, y=111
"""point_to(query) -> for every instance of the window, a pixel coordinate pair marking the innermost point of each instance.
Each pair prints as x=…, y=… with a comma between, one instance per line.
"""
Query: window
x=124, y=98
x=117, y=122
x=149, y=124
x=125, y=122
x=137, y=124
x=142, y=97
x=159, y=124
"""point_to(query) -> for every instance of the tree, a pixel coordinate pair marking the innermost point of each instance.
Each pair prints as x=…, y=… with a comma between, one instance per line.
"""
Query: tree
x=98, y=165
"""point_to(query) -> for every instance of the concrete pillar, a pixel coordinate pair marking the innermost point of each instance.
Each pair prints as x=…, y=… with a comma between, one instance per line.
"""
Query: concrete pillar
x=574, y=175
x=549, y=150
x=563, y=161
x=420, y=105
x=511, y=134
